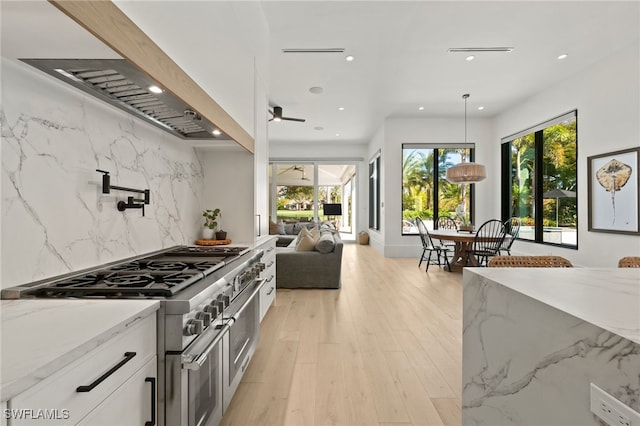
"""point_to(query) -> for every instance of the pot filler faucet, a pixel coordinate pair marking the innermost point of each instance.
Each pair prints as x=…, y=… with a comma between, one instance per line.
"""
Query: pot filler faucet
x=131, y=203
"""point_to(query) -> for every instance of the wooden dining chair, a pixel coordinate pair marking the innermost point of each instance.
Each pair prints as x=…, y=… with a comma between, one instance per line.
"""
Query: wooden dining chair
x=445, y=222
x=512, y=227
x=529, y=262
x=629, y=262
x=429, y=247
x=487, y=242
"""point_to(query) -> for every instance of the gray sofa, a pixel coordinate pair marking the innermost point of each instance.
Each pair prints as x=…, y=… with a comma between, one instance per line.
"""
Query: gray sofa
x=308, y=269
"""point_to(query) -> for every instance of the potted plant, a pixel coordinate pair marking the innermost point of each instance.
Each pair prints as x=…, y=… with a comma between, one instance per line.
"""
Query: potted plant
x=210, y=223
x=463, y=218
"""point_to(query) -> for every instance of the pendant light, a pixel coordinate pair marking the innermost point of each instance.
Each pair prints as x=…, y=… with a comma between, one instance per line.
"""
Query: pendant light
x=466, y=172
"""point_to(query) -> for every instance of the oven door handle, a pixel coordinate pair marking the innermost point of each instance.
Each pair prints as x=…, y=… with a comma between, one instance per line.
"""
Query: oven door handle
x=198, y=361
x=255, y=291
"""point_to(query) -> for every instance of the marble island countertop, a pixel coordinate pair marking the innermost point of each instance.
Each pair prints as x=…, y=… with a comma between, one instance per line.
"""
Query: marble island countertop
x=608, y=298
x=41, y=336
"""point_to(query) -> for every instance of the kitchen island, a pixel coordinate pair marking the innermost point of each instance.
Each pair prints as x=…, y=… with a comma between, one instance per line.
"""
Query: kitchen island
x=534, y=340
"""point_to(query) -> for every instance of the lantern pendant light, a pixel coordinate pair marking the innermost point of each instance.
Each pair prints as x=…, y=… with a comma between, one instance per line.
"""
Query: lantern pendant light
x=466, y=172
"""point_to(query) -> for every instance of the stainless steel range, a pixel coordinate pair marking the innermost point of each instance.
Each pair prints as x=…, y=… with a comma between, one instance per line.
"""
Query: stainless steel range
x=208, y=323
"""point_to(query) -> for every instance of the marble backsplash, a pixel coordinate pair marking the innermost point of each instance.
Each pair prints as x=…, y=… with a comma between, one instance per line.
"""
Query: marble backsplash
x=55, y=218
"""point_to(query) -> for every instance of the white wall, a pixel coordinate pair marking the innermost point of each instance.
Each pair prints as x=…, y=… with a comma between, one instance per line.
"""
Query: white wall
x=222, y=61
x=54, y=216
x=607, y=97
x=399, y=131
x=229, y=185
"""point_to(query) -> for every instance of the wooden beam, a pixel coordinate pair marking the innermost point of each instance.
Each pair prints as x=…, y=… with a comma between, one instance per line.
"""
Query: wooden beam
x=108, y=23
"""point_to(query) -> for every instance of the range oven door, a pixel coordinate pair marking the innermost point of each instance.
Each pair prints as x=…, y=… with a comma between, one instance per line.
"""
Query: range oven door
x=195, y=382
x=241, y=340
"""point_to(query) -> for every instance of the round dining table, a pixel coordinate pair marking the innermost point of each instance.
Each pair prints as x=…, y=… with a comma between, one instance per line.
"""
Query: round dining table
x=463, y=243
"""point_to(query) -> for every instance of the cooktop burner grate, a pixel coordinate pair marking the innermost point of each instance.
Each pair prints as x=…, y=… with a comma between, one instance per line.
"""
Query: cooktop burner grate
x=118, y=284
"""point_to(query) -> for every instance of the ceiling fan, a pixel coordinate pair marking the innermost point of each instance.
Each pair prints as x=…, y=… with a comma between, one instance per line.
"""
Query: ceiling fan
x=277, y=115
x=297, y=169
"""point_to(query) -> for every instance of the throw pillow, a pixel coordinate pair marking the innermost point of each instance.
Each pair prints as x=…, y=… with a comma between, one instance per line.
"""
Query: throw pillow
x=315, y=233
x=325, y=243
x=273, y=228
x=276, y=228
x=305, y=242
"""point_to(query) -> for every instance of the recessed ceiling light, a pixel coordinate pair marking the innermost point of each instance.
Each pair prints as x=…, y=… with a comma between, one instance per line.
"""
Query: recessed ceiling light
x=216, y=132
x=316, y=90
x=349, y=58
x=480, y=108
x=469, y=58
x=420, y=108
x=563, y=56
x=155, y=89
x=340, y=108
x=337, y=134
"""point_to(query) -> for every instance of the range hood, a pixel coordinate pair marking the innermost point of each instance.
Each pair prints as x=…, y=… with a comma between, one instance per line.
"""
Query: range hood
x=122, y=85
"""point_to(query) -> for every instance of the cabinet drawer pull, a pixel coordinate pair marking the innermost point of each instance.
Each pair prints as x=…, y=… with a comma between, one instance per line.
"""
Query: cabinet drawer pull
x=271, y=264
x=128, y=356
x=152, y=422
x=270, y=291
x=270, y=249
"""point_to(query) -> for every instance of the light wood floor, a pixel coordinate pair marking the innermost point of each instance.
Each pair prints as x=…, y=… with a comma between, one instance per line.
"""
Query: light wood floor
x=385, y=349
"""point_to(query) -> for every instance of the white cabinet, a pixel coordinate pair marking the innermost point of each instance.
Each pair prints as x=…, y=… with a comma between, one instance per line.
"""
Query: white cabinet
x=132, y=404
x=268, y=291
x=96, y=378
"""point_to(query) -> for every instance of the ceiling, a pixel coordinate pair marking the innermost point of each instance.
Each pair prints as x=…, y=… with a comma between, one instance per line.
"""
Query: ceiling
x=400, y=49
x=402, y=63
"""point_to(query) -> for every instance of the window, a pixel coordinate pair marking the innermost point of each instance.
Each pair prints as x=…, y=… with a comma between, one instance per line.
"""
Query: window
x=426, y=193
x=374, y=192
x=540, y=182
x=299, y=191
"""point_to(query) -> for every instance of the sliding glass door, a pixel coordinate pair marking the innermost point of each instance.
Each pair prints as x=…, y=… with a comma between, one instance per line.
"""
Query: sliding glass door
x=302, y=191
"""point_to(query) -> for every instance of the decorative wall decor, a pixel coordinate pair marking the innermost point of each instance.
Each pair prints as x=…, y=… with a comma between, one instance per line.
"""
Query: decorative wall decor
x=614, y=202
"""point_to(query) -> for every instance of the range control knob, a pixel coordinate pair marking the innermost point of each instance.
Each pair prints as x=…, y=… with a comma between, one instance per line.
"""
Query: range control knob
x=205, y=317
x=212, y=309
x=226, y=300
x=193, y=326
x=261, y=266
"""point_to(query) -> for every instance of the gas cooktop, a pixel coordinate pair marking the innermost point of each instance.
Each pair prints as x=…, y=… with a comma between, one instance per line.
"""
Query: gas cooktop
x=157, y=275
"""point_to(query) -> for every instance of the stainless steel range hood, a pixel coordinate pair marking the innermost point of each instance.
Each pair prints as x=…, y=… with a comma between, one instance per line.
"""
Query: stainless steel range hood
x=122, y=85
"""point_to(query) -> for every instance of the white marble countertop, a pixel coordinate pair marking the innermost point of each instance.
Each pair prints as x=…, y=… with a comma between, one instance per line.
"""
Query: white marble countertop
x=41, y=336
x=608, y=298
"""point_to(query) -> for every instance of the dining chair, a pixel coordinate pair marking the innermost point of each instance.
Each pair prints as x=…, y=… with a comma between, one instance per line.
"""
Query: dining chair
x=512, y=227
x=428, y=246
x=629, y=262
x=487, y=241
x=445, y=222
x=529, y=262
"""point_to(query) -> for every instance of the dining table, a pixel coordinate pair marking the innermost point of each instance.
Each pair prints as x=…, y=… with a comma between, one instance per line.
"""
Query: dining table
x=463, y=241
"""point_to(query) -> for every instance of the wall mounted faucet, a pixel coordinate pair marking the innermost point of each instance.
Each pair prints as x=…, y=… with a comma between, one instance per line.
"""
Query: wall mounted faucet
x=131, y=203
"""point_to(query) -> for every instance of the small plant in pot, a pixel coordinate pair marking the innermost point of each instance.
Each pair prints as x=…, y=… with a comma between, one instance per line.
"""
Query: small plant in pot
x=211, y=224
